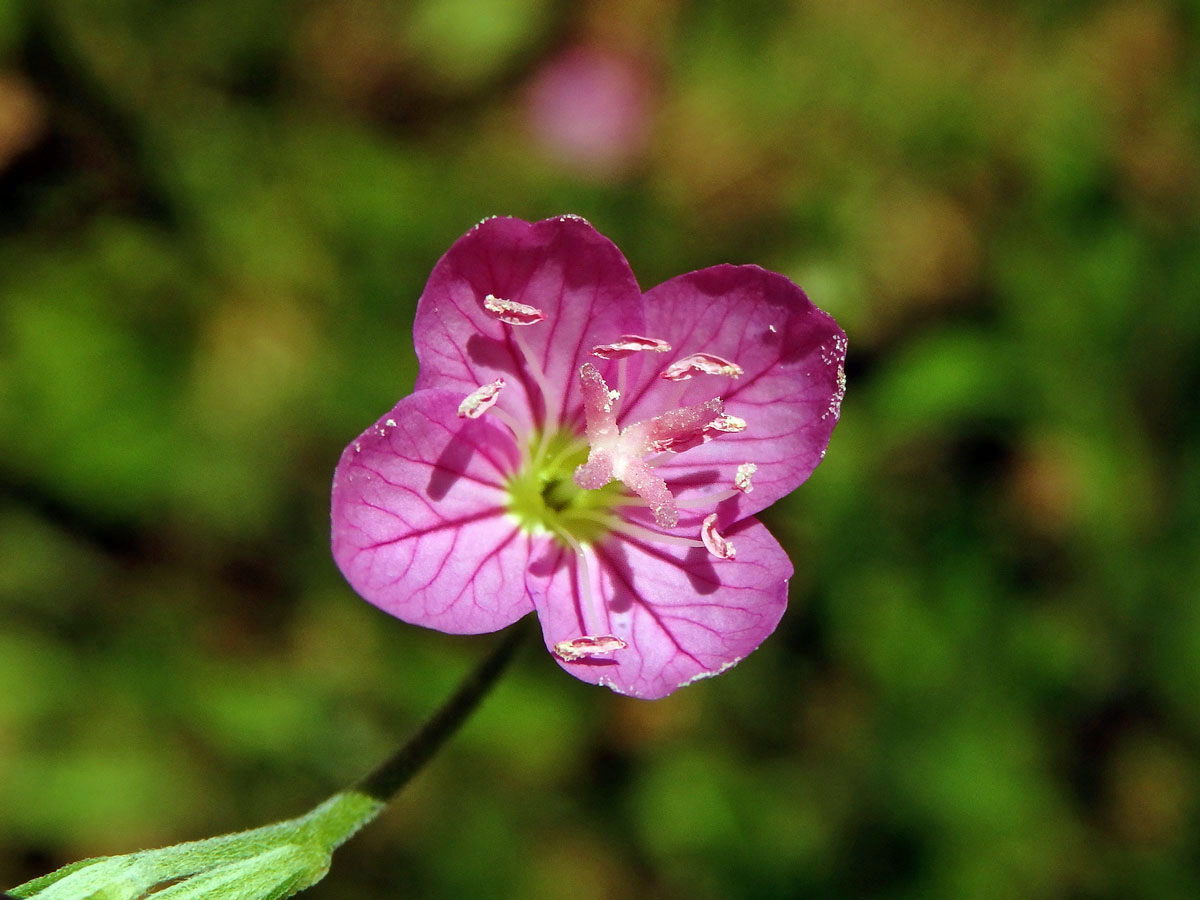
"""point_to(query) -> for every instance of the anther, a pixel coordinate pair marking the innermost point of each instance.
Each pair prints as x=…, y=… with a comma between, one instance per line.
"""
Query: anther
x=717, y=545
x=700, y=363
x=741, y=481
x=628, y=345
x=480, y=400
x=588, y=645
x=728, y=424
x=512, y=312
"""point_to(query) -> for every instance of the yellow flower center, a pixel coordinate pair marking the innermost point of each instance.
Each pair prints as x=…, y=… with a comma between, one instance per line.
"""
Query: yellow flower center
x=544, y=498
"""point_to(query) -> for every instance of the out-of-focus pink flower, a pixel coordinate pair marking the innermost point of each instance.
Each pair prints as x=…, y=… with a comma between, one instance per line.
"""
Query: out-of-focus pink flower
x=589, y=109
x=596, y=454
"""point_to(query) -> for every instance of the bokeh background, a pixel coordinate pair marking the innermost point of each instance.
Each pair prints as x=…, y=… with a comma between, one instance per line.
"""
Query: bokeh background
x=215, y=219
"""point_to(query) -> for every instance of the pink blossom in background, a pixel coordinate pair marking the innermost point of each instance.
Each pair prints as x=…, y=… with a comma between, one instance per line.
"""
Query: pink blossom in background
x=589, y=109
x=576, y=447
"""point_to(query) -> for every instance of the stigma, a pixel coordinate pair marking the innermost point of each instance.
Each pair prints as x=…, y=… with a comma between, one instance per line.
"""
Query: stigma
x=624, y=454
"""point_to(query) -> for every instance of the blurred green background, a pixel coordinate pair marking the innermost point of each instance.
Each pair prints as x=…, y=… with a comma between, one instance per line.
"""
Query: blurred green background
x=215, y=219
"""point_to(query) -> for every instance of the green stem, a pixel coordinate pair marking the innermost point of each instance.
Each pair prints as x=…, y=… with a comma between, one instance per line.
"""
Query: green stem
x=393, y=773
x=274, y=861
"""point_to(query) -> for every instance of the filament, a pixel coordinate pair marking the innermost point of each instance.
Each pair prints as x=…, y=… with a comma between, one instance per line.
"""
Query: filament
x=687, y=502
x=657, y=537
x=550, y=399
x=584, y=515
x=707, y=499
x=509, y=422
x=622, y=373
x=587, y=598
x=569, y=450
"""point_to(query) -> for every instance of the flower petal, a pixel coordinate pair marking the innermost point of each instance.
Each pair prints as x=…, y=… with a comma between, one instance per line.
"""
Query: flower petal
x=564, y=268
x=790, y=393
x=420, y=527
x=683, y=614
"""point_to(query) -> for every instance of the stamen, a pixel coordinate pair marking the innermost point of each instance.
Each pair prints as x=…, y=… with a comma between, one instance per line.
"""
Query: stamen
x=705, y=499
x=512, y=312
x=717, y=545
x=700, y=363
x=692, y=502
x=628, y=345
x=674, y=398
x=480, y=400
x=629, y=500
x=728, y=424
x=622, y=377
x=512, y=425
x=588, y=645
x=589, y=607
x=632, y=529
x=555, y=462
x=741, y=481
x=604, y=520
x=483, y=400
x=550, y=398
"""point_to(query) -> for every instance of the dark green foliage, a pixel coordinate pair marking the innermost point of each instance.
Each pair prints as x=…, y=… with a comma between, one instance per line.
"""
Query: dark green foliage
x=215, y=219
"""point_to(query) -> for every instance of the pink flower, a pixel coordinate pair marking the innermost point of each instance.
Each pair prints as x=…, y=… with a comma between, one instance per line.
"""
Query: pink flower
x=596, y=454
x=590, y=109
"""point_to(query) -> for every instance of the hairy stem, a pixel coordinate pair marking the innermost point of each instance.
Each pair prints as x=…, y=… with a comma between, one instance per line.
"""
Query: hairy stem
x=394, y=772
x=274, y=861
